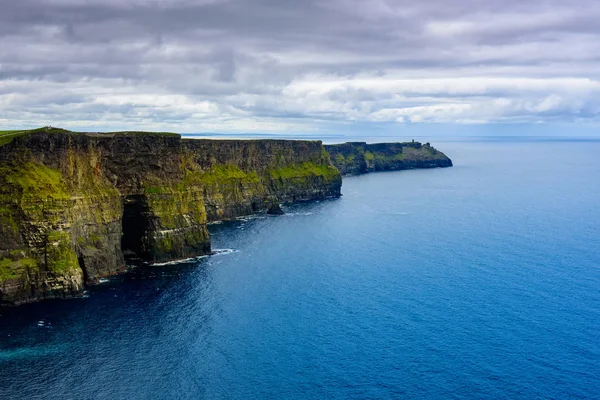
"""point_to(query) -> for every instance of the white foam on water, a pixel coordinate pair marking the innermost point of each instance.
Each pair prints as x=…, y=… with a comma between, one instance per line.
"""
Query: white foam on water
x=246, y=218
x=185, y=260
x=220, y=252
x=295, y=214
x=215, y=252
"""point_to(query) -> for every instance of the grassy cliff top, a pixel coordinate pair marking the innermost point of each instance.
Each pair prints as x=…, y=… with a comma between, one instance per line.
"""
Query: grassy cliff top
x=8, y=135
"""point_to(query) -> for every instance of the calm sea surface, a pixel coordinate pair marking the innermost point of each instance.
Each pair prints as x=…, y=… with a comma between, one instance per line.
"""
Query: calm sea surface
x=478, y=281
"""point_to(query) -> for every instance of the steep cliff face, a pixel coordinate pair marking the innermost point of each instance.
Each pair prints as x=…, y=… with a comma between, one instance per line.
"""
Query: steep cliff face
x=242, y=177
x=74, y=207
x=57, y=212
x=355, y=158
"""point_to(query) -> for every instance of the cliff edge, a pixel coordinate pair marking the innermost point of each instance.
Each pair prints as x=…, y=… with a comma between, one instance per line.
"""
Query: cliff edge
x=75, y=207
x=354, y=158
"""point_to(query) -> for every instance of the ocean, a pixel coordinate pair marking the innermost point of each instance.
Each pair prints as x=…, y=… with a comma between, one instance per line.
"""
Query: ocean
x=479, y=281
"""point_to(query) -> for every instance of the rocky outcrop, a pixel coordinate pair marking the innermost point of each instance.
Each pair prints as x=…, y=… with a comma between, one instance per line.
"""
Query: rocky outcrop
x=355, y=158
x=275, y=209
x=75, y=207
x=249, y=175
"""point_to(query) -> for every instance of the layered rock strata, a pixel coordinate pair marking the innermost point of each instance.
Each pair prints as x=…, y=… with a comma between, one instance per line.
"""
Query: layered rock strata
x=354, y=158
x=75, y=207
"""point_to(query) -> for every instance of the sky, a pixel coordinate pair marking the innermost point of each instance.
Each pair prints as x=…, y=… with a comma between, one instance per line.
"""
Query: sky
x=311, y=66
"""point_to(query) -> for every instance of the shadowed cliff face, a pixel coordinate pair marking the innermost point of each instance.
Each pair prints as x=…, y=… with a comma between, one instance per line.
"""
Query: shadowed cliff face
x=246, y=176
x=74, y=207
x=355, y=158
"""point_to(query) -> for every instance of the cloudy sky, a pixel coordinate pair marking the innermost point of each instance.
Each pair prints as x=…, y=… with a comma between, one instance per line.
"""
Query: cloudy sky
x=313, y=66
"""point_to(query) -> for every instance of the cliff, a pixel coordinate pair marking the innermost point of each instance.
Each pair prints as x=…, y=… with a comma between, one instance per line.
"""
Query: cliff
x=355, y=158
x=74, y=207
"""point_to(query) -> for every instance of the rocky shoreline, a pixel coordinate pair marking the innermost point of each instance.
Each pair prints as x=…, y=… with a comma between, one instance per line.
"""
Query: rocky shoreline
x=75, y=207
x=355, y=158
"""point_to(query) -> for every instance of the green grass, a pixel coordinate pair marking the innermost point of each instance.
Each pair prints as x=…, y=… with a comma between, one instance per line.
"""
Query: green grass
x=218, y=174
x=303, y=170
x=8, y=136
x=14, y=268
x=61, y=255
x=35, y=180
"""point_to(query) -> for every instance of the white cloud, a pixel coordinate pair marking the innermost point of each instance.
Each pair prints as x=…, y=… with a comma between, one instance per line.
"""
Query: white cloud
x=239, y=66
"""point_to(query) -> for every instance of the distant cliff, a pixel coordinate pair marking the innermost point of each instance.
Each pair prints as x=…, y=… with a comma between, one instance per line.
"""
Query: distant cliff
x=75, y=206
x=355, y=158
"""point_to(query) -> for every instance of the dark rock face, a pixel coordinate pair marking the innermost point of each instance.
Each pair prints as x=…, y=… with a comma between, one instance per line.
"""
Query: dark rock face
x=74, y=207
x=354, y=158
x=275, y=209
x=249, y=175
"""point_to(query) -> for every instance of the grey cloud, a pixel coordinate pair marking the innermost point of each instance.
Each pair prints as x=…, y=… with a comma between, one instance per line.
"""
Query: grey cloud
x=249, y=60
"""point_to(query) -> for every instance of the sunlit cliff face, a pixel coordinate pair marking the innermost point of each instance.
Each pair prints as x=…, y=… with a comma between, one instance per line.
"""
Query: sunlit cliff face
x=75, y=207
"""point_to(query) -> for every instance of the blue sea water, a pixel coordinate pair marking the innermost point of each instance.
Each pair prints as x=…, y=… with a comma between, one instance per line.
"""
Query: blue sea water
x=477, y=281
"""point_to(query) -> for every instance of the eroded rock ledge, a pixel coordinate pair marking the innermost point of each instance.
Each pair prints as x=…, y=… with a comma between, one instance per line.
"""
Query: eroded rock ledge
x=354, y=158
x=75, y=206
